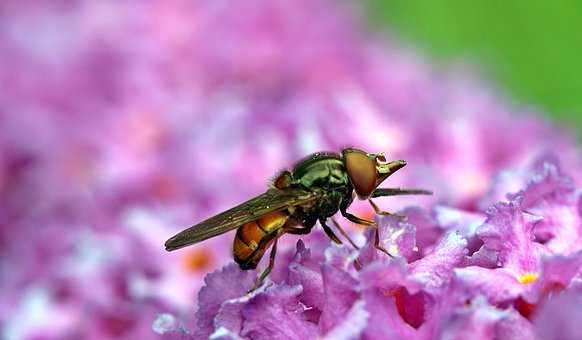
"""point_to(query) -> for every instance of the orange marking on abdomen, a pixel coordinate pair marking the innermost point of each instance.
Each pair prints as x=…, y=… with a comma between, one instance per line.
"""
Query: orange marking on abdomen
x=240, y=250
x=249, y=236
x=273, y=221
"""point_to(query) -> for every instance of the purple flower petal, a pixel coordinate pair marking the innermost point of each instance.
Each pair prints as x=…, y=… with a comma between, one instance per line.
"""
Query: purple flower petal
x=548, y=184
x=222, y=285
x=384, y=320
x=301, y=272
x=464, y=222
x=504, y=182
x=171, y=329
x=436, y=268
x=560, y=229
x=384, y=284
x=277, y=314
x=310, y=257
x=508, y=231
x=556, y=274
x=514, y=327
x=340, y=256
x=388, y=275
x=497, y=285
x=551, y=195
x=230, y=315
x=353, y=325
x=341, y=292
x=559, y=317
x=312, y=283
x=484, y=257
x=397, y=237
x=428, y=231
x=478, y=321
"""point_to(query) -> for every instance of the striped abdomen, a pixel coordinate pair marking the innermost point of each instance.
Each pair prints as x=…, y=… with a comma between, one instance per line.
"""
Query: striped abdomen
x=254, y=238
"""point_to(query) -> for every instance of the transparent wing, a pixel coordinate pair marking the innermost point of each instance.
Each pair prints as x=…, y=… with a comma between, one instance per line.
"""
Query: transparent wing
x=272, y=200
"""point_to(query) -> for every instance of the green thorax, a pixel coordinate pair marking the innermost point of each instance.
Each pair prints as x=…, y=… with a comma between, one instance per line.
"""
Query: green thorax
x=321, y=170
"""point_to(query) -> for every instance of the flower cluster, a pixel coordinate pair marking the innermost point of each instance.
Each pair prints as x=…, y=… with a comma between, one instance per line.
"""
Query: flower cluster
x=126, y=121
x=504, y=274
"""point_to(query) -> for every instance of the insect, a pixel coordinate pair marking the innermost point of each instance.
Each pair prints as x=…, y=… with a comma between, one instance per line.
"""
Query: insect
x=315, y=189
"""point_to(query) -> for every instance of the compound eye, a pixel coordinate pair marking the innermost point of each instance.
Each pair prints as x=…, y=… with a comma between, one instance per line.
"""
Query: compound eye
x=361, y=170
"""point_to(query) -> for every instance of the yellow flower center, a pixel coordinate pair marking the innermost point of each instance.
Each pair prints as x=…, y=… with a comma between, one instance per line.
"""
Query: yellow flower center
x=528, y=278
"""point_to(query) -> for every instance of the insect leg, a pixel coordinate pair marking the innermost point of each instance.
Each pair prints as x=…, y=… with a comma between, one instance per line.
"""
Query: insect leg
x=331, y=235
x=377, y=242
x=329, y=232
x=267, y=270
x=297, y=231
x=398, y=191
x=356, y=219
x=382, y=212
x=343, y=232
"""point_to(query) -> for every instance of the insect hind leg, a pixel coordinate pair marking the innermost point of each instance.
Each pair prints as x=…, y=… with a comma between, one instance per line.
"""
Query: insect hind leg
x=267, y=271
x=297, y=231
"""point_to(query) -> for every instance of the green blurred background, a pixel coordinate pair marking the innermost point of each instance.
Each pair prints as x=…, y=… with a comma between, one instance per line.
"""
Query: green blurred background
x=530, y=48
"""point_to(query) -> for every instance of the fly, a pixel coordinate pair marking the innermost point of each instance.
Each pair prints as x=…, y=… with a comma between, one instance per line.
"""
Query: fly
x=315, y=189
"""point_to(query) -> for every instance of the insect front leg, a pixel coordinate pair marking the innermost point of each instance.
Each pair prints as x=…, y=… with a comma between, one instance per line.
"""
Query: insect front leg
x=377, y=243
x=354, y=218
x=367, y=223
x=379, y=211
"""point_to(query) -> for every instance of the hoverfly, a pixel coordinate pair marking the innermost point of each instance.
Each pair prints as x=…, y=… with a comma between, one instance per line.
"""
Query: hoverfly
x=314, y=190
